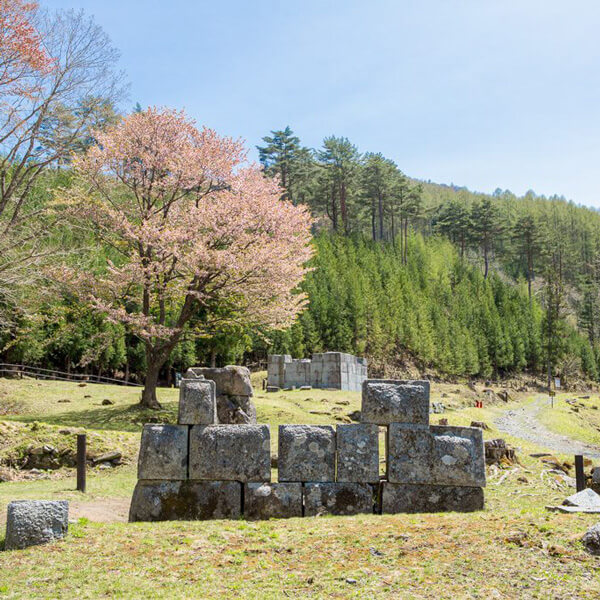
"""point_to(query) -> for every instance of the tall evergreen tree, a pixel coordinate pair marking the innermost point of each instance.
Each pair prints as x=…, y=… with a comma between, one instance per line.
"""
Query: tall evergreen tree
x=341, y=160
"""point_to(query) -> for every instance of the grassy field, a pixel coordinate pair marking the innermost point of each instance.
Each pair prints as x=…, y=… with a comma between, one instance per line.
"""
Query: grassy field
x=580, y=421
x=512, y=549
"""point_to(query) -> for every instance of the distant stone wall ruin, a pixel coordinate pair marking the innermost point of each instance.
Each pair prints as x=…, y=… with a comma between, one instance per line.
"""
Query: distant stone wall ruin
x=198, y=469
x=334, y=370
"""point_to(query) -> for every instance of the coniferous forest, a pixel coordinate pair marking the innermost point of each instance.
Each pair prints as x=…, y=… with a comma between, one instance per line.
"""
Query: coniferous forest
x=438, y=276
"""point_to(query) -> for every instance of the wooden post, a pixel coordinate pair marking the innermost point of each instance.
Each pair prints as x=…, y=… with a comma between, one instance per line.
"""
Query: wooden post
x=579, y=474
x=81, y=452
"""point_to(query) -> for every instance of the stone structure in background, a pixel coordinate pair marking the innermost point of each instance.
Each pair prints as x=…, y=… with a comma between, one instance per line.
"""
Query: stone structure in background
x=200, y=469
x=233, y=391
x=329, y=370
x=33, y=522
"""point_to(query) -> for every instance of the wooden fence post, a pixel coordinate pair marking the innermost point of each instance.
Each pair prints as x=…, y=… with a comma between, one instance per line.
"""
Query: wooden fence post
x=81, y=452
x=579, y=473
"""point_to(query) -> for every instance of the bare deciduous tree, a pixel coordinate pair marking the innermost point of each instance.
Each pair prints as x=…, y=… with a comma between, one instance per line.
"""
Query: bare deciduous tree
x=42, y=127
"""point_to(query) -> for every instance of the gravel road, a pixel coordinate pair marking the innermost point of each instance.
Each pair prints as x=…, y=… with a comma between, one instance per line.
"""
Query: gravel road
x=523, y=423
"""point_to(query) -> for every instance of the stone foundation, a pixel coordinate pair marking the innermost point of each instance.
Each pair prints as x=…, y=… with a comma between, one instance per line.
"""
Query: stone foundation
x=205, y=470
x=272, y=500
x=403, y=498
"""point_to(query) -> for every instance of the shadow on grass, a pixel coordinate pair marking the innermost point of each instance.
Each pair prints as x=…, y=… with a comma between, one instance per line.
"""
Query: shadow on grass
x=116, y=418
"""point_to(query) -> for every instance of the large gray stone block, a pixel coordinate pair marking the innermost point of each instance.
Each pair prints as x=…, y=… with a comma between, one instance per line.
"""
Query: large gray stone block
x=386, y=401
x=459, y=456
x=272, y=500
x=230, y=452
x=337, y=499
x=409, y=454
x=439, y=455
x=306, y=453
x=185, y=500
x=234, y=392
x=33, y=522
x=358, y=453
x=408, y=498
x=231, y=380
x=163, y=452
x=197, y=402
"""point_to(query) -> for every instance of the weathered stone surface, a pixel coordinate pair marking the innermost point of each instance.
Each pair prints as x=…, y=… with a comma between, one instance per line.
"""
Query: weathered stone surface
x=230, y=452
x=33, y=522
x=459, y=456
x=232, y=380
x=163, y=452
x=439, y=455
x=591, y=540
x=234, y=392
x=407, y=498
x=586, y=499
x=197, y=402
x=386, y=401
x=306, y=453
x=272, y=500
x=185, y=500
x=337, y=499
x=358, y=453
x=410, y=454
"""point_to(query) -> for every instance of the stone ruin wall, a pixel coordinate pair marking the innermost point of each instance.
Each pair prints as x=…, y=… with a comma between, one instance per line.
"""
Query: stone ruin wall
x=334, y=370
x=199, y=469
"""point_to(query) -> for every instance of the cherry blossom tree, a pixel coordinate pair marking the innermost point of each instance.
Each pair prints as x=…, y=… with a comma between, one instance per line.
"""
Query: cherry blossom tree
x=195, y=230
x=22, y=54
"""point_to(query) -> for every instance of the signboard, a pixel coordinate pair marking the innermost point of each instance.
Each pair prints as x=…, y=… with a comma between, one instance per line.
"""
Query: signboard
x=552, y=393
x=557, y=383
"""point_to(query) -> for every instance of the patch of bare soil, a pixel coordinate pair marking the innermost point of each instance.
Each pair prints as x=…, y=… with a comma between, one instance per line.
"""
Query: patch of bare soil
x=103, y=510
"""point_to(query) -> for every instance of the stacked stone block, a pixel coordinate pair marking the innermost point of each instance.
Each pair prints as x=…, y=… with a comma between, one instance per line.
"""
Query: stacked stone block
x=428, y=468
x=200, y=469
x=196, y=469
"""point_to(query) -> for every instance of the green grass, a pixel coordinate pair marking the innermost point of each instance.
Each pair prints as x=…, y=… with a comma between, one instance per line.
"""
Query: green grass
x=438, y=556
x=40, y=400
x=512, y=549
x=583, y=425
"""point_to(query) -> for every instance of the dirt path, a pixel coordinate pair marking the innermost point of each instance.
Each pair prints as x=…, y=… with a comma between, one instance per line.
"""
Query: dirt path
x=105, y=510
x=523, y=423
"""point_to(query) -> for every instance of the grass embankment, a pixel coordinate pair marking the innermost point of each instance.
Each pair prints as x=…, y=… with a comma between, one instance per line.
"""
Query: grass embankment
x=578, y=419
x=513, y=549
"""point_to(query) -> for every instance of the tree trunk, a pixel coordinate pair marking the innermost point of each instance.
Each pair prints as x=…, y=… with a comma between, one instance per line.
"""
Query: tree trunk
x=373, y=228
x=380, y=216
x=343, y=207
x=485, y=260
x=213, y=359
x=149, y=399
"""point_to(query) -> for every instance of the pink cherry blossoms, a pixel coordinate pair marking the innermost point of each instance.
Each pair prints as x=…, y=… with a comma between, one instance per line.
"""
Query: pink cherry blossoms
x=193, y=227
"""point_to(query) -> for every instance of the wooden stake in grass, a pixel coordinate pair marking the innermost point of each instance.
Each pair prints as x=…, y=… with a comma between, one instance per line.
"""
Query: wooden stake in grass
x=579, y=474
x=81, y=452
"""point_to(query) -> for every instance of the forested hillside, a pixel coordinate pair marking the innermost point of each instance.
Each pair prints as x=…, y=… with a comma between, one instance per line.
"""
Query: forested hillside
x=517, y=287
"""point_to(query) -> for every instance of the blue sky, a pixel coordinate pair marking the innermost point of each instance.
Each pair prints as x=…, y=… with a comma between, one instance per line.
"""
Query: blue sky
x=485, y=94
